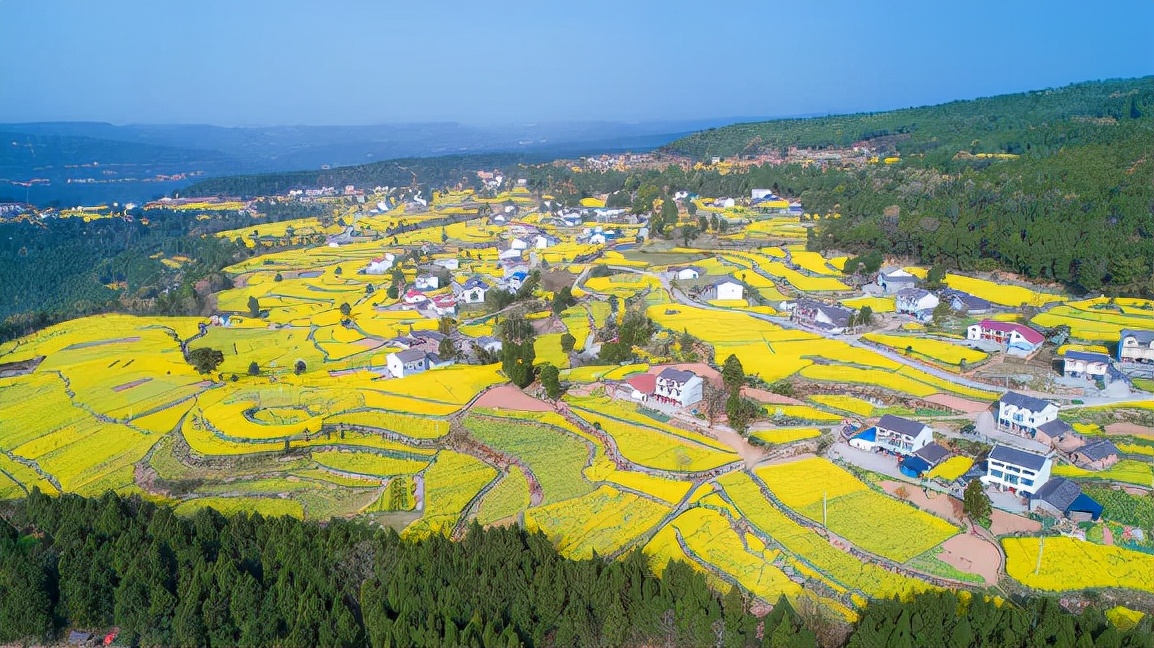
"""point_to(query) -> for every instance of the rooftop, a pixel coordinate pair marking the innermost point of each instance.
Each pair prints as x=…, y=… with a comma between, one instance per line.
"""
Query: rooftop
x=933, y=453
x=1029, y=460
x=1023, y=401
x=1098, y=450
x=1059, y=492
x=676, y=375
x=1032, y=336
x=901, y=425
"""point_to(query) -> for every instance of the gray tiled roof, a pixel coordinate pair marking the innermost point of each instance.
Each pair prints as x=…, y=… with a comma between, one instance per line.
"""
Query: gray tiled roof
x=902, y=425
x=675, y=374
x=1087, y=356
x=411, y=355
x=1055, y=428
x=1024, y=401
x=1097, y=450
x=1059, y=492
x=933, y=453
x=1016, y=457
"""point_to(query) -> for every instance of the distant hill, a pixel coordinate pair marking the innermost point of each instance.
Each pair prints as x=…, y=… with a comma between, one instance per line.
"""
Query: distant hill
x=1005, y=123
x=89, y=163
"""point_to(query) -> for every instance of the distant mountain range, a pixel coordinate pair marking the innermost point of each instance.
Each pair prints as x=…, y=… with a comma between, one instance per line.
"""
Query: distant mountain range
x=88, y=162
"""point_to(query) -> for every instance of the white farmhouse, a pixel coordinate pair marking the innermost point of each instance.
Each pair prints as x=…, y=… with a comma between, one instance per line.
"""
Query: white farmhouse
x=917, y=302
x=407, y=362
x=677, y=387
x=1018, y=339
x=901, y=435
x=723, y=289
x=1085, y=364
x=685, y=273
x=380, y=265
x=1023, y=415
x=426, y=282
x=448, y=264
x=893, y=279
x=1016, y=470
x=1135, y=345
x=518, y=244
x=472, y=291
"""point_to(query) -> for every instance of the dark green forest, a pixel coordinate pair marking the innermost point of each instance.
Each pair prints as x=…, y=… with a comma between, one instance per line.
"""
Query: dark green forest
x=56, y=269
x=1076, y=206
x=211, y=580
x=427, y=172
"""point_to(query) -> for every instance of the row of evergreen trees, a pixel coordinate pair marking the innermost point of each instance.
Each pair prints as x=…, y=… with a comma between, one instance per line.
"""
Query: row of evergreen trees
x=211, y=580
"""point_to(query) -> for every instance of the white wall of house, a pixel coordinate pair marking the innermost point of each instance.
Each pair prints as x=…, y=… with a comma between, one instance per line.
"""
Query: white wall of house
x=1130, y=350
x=1074, y=367
x=686, y=393
x=1024, y=421
x=687, y=273
x=729, y=290
x=904, y=443
x=1023, y=480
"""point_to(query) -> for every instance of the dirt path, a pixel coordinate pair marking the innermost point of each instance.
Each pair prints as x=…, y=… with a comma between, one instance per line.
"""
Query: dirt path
x=511, y=398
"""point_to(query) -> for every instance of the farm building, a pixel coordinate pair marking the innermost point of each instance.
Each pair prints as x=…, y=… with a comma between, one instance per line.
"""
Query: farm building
x=1017, y=339
x=924, y=460
x=1085, y=364
x=815, y=314
x=1061, y=497
x=426, y=282
x=964, y=302
x=901, y=435
x=545, y=241
x=677, y=387
x=1023, y=415
x=1016, y=470
x=685, y=273
x=411, y=361
x=1051, y=432
x=894, y=280
x=865, y=440
x=642, y=386
x=1135, y=345
x=414, y=296
x=443, y=305
x=724, y=202
x=488, y=343
x=380, y=265
x=723, y=289
x=1096, y=455
x=448, y=264
x=917, y=302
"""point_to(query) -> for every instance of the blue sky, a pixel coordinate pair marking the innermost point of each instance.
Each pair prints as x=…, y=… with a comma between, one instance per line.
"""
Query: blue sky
x=278, y=62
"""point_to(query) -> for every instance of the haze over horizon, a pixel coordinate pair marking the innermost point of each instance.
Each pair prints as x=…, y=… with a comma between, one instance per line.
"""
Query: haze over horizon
x=266, y=63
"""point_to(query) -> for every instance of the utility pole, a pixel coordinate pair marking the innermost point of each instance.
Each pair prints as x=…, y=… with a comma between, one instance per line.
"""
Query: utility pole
x=1041, y=546
x=824, y=515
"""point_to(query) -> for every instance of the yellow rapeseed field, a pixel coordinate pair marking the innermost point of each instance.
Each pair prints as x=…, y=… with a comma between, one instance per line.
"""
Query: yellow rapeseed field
x=1072, y=564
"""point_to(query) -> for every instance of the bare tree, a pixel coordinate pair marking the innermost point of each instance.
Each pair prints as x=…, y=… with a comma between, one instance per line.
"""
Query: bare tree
x=714, y=395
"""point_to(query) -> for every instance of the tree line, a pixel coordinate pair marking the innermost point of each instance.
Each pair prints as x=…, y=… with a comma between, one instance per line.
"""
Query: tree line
x=240, y=580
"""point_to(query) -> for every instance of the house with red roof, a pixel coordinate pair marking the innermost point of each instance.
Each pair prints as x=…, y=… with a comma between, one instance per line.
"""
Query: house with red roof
x=1015, y=339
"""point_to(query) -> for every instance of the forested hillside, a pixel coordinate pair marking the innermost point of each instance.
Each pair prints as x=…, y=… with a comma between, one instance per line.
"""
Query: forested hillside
x=1013, y=123
x=1064, y=192
x=216, y=581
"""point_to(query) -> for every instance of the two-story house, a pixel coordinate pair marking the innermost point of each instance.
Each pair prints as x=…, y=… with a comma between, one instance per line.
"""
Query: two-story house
x=678, y=387
x=1016, y=339
x=1016, y=470
x=1085, y=364
x=1023, y=415
x=1135, y=345
x=901, y=435
x=917, y=302
x=893, y=280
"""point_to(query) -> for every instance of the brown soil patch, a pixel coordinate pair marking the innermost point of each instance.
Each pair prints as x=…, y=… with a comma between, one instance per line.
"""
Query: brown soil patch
x=509, y=397
x=1003, y=523
x=957, y=403
x=972, y=554
x=940, y=504
x=768, y=397
x=1130, y=429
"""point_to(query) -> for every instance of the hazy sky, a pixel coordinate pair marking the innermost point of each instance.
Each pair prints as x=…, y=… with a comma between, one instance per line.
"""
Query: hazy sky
x=272, y=62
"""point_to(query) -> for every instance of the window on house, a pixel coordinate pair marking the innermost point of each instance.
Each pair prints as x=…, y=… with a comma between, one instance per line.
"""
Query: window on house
x=997, y=473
